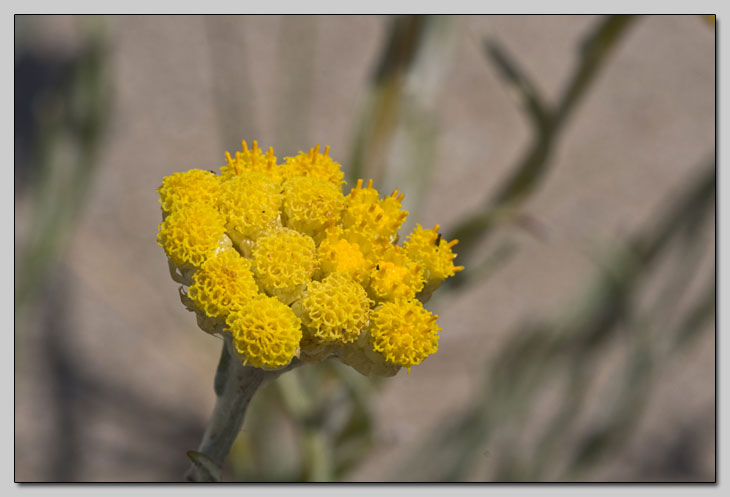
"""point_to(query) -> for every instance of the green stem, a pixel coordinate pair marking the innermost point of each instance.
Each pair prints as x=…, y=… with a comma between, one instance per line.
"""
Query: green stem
x=548, y=121
x=235, y=389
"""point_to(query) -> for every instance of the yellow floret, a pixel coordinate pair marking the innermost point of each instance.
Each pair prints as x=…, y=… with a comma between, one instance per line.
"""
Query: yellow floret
x=311, y=203
x=314, y=164
x=367, y=213
x=250, y=203
x=265, y=331
x=284, y=262
x=223, y=283
x=434, y=253
x=191, y=234
x=403, y=332
x=251, y=160
x=335, y=309
x=395, y=276
x=337, y=254
x=182, y=189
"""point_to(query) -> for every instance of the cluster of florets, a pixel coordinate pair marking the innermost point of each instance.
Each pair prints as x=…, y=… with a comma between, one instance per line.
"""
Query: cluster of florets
x=278, y=257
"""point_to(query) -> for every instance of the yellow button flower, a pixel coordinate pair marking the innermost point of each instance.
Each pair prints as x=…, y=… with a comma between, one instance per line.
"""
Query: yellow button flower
x=394, y=276
x=314, y=164
x=367, y=213
x=251, y=160
x=403, y=332
x=191, y=234
x=265, y=332
x=335, y=309
x=284, y=262
x=311, y=203
x=223, y=283
x=250, y=203
x=337, y=254
x=434, y=253
x=182, y=189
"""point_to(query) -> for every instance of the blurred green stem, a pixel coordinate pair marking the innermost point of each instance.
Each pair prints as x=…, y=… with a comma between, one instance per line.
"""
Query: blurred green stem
x=535, y=353
x=379, y=119
x=302, y=407
x=235, y=385
x=318, y=456
x=547, y=122
x=69, y=125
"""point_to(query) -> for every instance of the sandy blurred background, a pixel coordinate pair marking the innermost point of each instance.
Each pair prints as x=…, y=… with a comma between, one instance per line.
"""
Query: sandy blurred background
x=566, y=360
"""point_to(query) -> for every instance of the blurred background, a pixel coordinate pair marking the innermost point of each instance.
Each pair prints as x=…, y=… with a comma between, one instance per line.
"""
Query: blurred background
x=573, y=156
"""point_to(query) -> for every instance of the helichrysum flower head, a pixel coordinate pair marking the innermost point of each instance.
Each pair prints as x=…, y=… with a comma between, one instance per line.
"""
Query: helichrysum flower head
x=279, y=258
x=191, y=234
x=338, y=253
x=367, y=213
x=265, y=332
x=310, y=204
x=314, y=164
x=336, y=309
x=222, y=284
x=403, y=332
x=284, y=261
x=433, y=253
x=394, y=276
x=248, y=160
x=250, y=203
x=182, y=189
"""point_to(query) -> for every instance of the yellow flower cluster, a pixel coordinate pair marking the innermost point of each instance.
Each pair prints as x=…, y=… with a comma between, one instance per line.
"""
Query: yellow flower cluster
x=194, y=186
x=191, y=234
x=284, y=262
x=278, y=257
x=404, y=332
x=335, y=309
x=265, y=332
x=311, y=203
x=250, y=204
x=223, y=281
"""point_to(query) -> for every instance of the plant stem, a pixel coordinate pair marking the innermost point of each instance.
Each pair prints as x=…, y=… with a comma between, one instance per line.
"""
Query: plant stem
x=548, y=122
x=235, y=391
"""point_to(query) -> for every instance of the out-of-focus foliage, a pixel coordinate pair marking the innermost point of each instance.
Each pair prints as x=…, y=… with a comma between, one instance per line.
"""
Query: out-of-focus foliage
x=312, y=424
x=58, y=135
x=567, y=349
x=547, y=122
